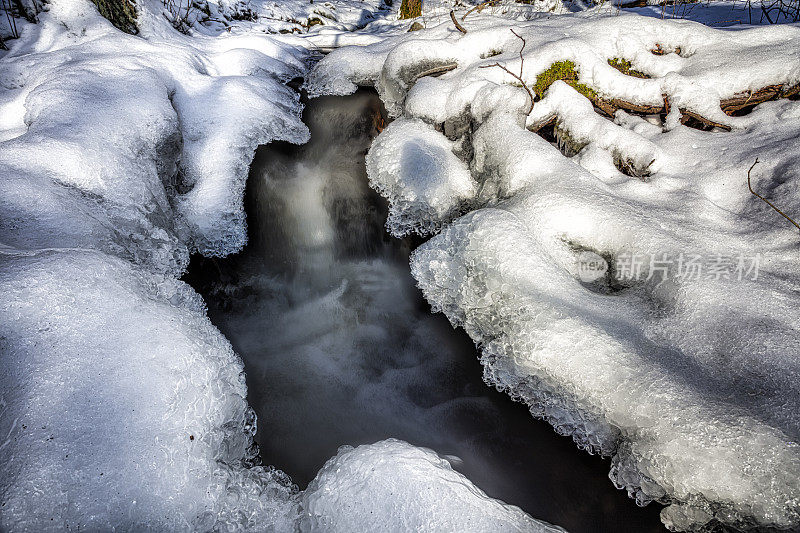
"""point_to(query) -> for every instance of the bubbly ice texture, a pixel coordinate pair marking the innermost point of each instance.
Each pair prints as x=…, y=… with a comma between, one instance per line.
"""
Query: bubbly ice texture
x=409, y=489
x=122, y=406
x=688, y=382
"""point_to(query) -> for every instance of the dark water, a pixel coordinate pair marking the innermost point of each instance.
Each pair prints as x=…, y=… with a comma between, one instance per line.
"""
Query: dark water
x=339, y=347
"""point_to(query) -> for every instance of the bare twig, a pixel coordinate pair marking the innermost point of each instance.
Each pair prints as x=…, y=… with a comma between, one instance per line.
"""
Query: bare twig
x=749, y=186
x=524, y=85
x=180, y=13
x=480, y=7
x=521, y=59
x=12, y=23
x=459, y=27
x=766, y=14
x=518, y=77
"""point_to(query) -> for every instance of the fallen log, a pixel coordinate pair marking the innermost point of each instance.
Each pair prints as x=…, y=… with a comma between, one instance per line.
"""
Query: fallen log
x=544, y=122
x=746, y=100
x=458, y=26
x=730, y=106
x=687, y=116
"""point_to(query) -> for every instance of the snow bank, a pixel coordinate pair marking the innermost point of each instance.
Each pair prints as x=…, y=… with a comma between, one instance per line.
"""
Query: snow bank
x=159, y=164
x=651, y=313
x=393, y=486
x=104, y=427
x=694, y=79
x=287, y=16
x=122, y=406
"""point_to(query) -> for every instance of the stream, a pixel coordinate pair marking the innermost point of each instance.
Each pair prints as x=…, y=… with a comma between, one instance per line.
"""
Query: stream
x=340, y=348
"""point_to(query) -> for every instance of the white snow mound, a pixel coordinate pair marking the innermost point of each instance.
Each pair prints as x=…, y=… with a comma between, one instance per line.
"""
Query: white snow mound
x=394, y=486
x=415, y=168
x=122, y=406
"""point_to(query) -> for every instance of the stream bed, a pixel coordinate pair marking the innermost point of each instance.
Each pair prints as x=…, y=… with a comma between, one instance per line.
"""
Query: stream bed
x=339, y=347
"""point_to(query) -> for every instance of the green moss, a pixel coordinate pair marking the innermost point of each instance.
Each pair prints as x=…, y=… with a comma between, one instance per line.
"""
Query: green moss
x=565, y=71
x=121, y=13
x=410, y=9
x=624, y=66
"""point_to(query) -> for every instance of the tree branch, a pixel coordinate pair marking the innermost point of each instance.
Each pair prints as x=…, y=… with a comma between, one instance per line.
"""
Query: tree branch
x=459, y=27
x=521, y=67
x=765, y=200
x=479, y=7
x=436, y=71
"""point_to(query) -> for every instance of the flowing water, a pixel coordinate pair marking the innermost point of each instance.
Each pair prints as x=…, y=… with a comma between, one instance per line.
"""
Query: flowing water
x=340, y=348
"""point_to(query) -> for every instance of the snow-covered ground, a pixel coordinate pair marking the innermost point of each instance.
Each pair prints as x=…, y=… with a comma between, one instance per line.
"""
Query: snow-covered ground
x=628, y=287
x=122, y=406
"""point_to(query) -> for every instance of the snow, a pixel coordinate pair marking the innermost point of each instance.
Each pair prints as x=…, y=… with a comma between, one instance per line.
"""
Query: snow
x=695, y=80
x=104, y=427
x=394, y=486
x=286, y=16
x=131, y=176
x=688, y=382
x=123, y=407
x=415, y=168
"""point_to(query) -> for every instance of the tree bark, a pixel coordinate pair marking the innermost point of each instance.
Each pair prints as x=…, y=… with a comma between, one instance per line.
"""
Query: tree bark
x=410, y=9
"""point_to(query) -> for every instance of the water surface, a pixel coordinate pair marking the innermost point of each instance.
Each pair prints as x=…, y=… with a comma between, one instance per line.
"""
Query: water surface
x=340, y=348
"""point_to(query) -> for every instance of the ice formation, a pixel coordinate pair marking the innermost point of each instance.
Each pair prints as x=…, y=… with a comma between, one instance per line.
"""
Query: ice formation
x=687, y=379
x=415, y=168
x=409, y=489
x=130, y=176
x=122, y=406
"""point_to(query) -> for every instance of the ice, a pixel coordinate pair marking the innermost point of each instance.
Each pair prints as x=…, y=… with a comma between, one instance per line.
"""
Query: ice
x=688, y=382
x=414, y=167
x=122, y=406
x=393, y=486
x=106, y=427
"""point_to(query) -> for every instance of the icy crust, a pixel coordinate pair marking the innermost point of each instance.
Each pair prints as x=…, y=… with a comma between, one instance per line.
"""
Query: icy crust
x=689, y=383
x=154, y=430
x=692, y=384
x=394, y=486
x=592, y=366
x=414, y=167
x=159, y=164
x=121, y=406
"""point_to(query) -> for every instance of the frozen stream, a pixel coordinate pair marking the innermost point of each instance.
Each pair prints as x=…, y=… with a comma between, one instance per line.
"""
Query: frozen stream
x=340, y=348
